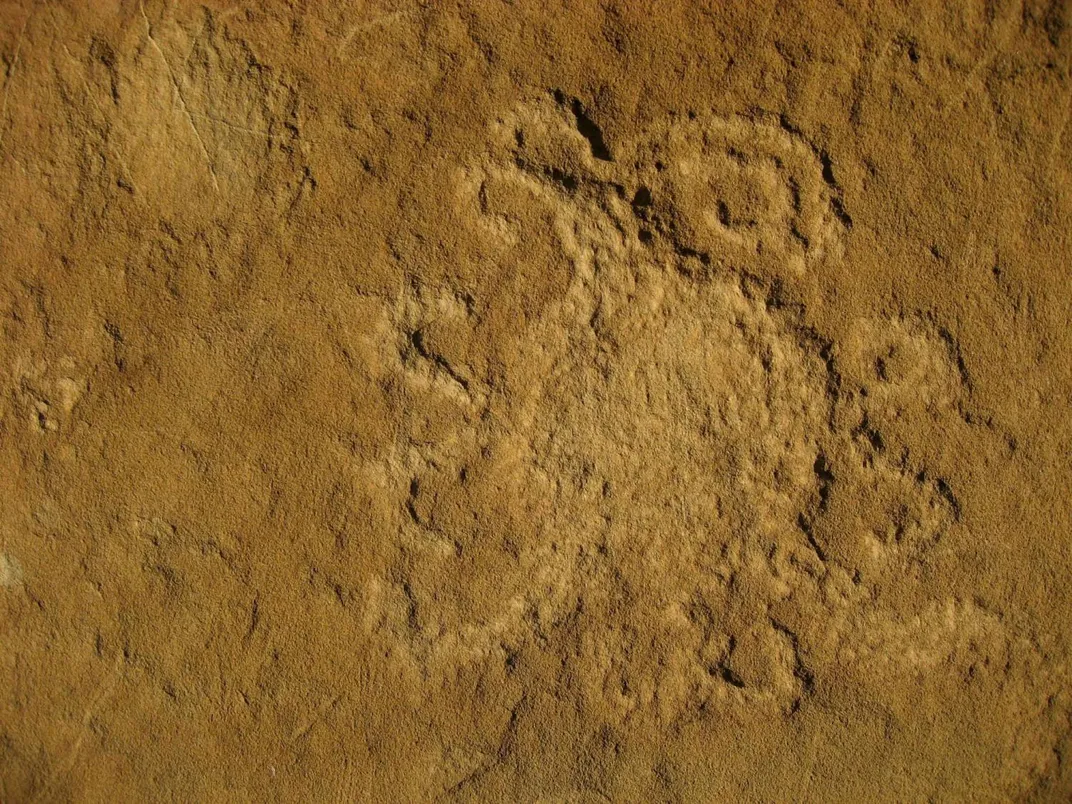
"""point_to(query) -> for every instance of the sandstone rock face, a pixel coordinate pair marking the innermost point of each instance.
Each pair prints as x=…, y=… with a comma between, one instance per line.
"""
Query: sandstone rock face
x=504, y=401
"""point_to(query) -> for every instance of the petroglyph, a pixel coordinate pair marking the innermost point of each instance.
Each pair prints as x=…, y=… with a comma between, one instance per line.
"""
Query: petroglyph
x=671, y=442
x=535, y=401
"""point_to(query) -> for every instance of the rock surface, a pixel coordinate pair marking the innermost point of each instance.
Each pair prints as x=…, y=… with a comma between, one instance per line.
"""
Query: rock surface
x=525, y=401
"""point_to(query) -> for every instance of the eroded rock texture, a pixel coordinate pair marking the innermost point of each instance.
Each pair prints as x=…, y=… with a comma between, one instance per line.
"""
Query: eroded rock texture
x=513, y=402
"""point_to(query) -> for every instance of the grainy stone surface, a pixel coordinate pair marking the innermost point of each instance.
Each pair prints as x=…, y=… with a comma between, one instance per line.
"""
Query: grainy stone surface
x=526, y=401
